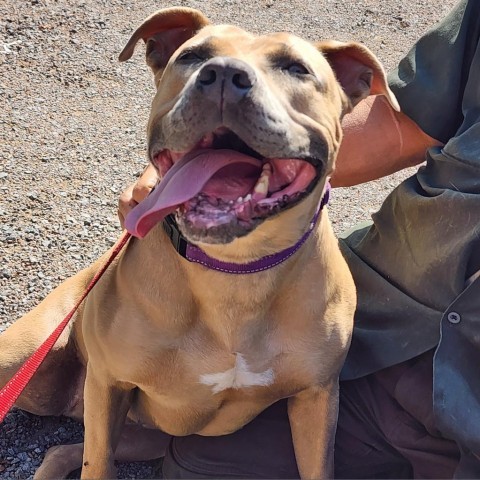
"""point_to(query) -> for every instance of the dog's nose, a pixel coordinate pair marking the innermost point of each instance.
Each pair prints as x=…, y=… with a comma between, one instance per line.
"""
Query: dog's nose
x=227, y=78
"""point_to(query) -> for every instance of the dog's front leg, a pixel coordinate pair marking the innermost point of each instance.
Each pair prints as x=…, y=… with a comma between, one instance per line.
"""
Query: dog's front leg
x=106, y=406
x=313, y=419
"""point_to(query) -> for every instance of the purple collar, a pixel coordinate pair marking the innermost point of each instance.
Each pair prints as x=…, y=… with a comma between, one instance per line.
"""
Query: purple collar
x=194, y=254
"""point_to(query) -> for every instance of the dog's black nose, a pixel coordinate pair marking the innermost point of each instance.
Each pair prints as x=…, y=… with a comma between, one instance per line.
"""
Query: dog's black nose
x=227, y=78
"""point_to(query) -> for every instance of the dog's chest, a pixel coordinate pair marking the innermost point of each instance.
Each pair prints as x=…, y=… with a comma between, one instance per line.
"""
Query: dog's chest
x=241, y=375
x=205, y=372
x=208, y=386
x=250, y=360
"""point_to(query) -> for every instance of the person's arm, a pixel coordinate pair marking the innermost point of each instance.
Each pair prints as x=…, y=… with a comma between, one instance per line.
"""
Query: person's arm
x=378, y=141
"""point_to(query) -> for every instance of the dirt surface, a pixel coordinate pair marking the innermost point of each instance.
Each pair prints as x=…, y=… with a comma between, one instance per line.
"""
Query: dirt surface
x=72, y=136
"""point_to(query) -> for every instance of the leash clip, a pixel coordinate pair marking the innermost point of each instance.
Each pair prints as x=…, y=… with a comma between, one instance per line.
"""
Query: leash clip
x=179, y=242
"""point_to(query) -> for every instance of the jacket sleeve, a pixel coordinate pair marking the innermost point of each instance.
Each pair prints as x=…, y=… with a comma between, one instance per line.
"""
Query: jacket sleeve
x=429, y=82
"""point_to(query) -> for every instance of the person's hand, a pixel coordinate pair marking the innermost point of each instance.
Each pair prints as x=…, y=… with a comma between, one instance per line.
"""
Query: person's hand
x=136, y=192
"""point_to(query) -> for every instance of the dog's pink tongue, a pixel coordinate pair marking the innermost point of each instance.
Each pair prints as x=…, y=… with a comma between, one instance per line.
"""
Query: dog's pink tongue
x=182, y=182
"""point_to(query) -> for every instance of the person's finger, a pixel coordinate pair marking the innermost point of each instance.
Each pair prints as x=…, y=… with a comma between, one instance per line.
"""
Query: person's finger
x=136, y=192
x=125, y=203
x=145, y=184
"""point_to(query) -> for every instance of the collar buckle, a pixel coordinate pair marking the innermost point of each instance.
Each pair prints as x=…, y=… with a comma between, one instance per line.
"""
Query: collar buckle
x=179, y=242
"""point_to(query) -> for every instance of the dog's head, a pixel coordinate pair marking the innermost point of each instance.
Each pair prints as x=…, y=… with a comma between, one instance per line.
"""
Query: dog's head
x=243, y=127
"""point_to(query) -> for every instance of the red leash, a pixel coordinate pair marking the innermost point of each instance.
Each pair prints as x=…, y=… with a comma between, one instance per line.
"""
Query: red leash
x=12, y=390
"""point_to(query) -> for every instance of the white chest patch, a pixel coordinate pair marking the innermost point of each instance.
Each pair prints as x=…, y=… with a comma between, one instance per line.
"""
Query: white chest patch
x=237, y=377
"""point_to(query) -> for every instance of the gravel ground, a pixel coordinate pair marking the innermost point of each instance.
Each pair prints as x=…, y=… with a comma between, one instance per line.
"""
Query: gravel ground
x=72, y=124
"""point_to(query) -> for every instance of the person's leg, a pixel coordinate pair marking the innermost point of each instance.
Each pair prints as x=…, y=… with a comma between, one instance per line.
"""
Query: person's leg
x=361, y=448
x=414, y=432
x=390, y=415
x=261, y=449
x=469, y=465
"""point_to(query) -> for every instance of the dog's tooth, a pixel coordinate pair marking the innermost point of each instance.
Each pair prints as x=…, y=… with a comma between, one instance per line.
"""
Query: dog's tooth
x=261, y=186
x=260, y=191
x=266, y=169
x=248, y=198
x=239, y=199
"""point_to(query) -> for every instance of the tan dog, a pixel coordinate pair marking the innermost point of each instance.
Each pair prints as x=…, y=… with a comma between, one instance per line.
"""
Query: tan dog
x=165, y=344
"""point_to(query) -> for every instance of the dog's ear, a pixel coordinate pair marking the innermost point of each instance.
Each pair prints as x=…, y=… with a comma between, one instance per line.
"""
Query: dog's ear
x=164, y=32
x=358, y=71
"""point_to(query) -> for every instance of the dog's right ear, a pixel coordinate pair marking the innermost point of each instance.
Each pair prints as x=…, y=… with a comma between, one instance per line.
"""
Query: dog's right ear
x=164, y=32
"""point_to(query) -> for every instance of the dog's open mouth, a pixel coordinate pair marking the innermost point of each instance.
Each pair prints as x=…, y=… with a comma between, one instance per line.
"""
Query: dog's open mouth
x=222, y=189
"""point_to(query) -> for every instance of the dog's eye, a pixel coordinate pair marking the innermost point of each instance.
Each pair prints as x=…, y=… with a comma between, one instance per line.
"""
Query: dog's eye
x=297, y=68
x=190, y=56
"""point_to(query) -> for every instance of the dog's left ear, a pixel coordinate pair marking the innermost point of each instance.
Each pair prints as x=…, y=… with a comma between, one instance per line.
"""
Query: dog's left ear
x=164, y=32
x=358, y=71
